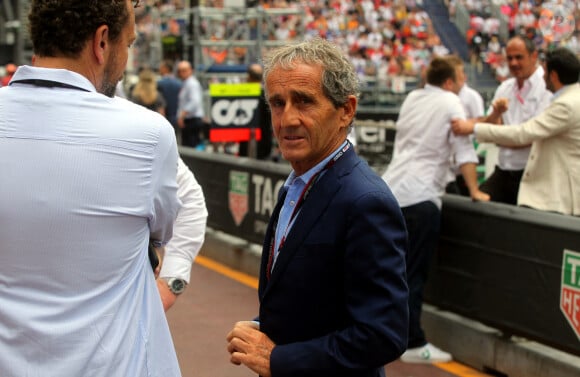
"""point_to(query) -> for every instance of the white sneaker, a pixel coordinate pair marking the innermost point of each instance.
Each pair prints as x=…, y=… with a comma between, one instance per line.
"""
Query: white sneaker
x=425, y=354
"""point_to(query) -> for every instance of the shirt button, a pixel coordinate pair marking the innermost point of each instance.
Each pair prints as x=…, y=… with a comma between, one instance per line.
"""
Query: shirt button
x=292, y=203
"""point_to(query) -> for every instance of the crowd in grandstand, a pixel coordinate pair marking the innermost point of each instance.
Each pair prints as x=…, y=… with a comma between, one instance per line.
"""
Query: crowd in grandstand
x=547, y=23
x=384, y=38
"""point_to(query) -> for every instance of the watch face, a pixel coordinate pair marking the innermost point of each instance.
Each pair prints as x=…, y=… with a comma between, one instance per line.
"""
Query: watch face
x=177, y=286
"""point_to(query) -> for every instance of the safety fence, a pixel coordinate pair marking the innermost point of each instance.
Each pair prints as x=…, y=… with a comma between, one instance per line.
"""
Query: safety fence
x=513, y=268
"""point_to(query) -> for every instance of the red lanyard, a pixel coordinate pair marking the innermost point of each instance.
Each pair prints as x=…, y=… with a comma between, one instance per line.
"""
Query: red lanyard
x=303, y=196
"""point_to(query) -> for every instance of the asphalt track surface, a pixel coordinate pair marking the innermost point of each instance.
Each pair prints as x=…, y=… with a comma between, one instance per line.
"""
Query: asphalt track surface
x=215, y=299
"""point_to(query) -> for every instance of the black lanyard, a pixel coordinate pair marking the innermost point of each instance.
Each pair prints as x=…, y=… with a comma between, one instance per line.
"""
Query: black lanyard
x=48, y=84
x=301, y=199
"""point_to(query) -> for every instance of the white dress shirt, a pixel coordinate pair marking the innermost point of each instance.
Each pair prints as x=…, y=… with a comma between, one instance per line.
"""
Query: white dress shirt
x=474, y=108
x=424, y=144
x=524, y=104
x=86, y=180
x=472, y=102
x=190, y=100
x=189, y=227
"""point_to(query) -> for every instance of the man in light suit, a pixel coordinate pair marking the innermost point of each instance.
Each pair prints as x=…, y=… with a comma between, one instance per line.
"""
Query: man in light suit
x=551, y=180
x=333, y=296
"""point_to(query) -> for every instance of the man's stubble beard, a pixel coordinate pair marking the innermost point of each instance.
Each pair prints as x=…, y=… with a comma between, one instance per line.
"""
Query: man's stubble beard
x=109, y=84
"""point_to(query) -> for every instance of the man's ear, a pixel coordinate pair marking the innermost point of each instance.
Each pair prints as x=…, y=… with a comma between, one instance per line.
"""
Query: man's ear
x=101, y=43
x=348, y=112
x=349, y=109
x=554, y=77
x=448, y=84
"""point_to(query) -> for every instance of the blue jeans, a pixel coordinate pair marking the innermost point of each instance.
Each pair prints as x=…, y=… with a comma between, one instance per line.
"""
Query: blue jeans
x=423, y=224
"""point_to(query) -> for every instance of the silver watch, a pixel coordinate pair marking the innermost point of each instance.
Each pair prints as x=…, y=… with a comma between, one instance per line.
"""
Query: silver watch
x=176, y=285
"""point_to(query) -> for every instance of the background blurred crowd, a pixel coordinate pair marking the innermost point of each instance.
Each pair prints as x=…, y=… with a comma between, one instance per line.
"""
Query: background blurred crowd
x=384, y=38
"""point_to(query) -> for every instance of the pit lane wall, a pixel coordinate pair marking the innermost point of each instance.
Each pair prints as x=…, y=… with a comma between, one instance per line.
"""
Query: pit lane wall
x=515, y=269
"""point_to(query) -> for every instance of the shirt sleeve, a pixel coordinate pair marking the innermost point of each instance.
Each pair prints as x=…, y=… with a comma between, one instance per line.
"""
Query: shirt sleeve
x=462, y=146
x=193, y=99
x=164, y=185
x=553, y=121
x=189, y=227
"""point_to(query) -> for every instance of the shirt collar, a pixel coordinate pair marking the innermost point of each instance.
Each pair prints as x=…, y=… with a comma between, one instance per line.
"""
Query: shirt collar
x=433, y=87
x=65, y=76
x=317, y=168
x=562, y=90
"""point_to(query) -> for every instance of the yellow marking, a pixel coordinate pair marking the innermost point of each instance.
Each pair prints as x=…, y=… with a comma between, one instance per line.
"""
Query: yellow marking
x=240, y=277
x=460, y=369
x=252, y=282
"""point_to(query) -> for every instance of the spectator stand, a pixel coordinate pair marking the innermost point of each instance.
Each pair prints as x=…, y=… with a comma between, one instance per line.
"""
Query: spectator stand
x=14, y=44
x=235, y=36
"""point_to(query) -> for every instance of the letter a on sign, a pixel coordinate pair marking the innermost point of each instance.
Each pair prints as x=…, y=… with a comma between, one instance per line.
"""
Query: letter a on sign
x=570, y=290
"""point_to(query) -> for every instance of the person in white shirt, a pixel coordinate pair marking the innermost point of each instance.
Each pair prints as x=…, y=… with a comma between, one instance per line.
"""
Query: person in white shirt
x=188, y=236
x=189, y=106
x=417, y=175
x=88, y=179
x=551, y=181
x=473, y=105
x=527, y=96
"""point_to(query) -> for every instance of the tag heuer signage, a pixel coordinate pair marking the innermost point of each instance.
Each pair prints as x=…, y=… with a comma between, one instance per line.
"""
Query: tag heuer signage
x=570, y=291
x=238, y=195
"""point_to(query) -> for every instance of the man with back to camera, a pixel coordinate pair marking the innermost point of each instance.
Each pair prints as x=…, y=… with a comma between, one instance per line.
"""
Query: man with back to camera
x=528, y=96
x=333, y=297
x=169, y=86
x=417, y=174
x=88, y=180
x=551, y=180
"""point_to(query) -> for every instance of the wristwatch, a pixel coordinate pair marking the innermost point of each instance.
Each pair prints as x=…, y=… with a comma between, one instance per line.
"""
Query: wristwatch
x=176, y=285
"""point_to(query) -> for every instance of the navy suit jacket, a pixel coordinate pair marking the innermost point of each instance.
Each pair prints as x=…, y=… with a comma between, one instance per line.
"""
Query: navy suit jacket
x=169, y=87
x=336, y=301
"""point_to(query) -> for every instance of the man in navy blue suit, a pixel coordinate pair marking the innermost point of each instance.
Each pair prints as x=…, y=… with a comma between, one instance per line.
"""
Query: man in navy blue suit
x=333, y=293
x=169, y=86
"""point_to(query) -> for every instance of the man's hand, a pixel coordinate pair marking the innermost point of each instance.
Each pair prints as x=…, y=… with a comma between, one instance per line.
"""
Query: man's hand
x=159, y=251
x=500, y=105
x=462, y=126
x=479, y=196
x=167, y=297
x=249, y=346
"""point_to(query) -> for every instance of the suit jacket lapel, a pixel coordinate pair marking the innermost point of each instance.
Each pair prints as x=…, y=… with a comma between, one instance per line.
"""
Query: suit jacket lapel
x=268, y=239
x=318, y=200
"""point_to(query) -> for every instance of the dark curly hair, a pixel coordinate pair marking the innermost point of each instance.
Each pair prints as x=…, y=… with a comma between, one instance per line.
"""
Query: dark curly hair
x=62, y=27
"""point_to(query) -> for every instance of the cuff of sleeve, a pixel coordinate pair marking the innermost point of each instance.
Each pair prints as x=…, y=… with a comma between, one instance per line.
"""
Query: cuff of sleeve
x=175, y=267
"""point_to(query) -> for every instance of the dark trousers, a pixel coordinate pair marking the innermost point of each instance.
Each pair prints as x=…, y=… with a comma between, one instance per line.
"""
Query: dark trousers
x=503, y=185
x=423, y=222
x=457, y=187
x=190, y=133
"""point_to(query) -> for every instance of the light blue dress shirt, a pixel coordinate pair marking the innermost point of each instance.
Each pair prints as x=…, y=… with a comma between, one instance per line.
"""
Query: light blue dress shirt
x=84, y=181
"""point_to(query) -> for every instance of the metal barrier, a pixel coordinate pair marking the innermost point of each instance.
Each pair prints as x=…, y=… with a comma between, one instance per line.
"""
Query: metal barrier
x=505, y=266
x=502, y=265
